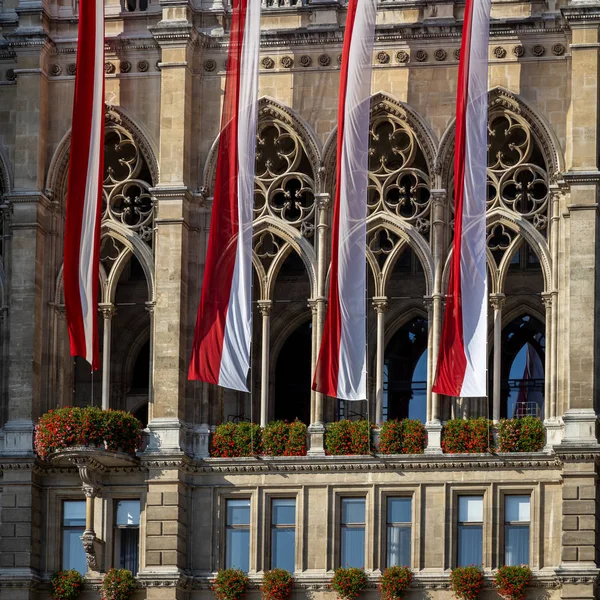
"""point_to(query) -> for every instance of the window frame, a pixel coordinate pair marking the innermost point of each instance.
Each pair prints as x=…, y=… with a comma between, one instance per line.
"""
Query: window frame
x=220, y=525
x=63, y=528
x=270, y=527
x=534, y=517
x=340, y=526
x=116, y=555
x=487, y=521
x=387, y=524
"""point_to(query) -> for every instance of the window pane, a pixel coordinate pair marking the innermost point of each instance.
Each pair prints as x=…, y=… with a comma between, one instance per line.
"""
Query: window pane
x=73, y=556
x=470, y=509
x=74, y=513
x=517, y=508
x=237, y=546
x=238, y=512
x=129, y=555
x=284, y=511
x=353, y=510
x=399, y=510
x=353, y=547
x=516, y=545
x=470, y=544
x=283, y=545
x=398, y=540
x=128, y=512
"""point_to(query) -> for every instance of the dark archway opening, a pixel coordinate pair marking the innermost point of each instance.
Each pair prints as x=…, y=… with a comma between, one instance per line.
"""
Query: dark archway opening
x=293, y=376
x=405, y=373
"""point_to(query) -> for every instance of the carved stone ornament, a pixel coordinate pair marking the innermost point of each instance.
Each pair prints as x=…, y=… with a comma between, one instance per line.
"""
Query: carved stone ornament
x=267, y=62
x=519, y=51
x=157, y=65
x=499, y=52
x=421, y=56
x=305, y=60
x=88, y=540
x=402, y=56
x=125, y=66
x=558, y=49
x=287, y=62
x=324, y=60
x=457, y=54
x=538, y=50
x=339, y=59
x=72, y=69
x=109, y=68
x=210, y=65
x=383, y=58
x=11, y=75
x=440, y=54
x=143, y=66
x=55, y=70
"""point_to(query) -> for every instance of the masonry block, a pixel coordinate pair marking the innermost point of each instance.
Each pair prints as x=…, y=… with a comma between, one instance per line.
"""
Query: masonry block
x=570, y=523
x=579, y=507
x=587, y=522
x=152, y=558
x=569, y=553
x=570, y=492
x=587, y=492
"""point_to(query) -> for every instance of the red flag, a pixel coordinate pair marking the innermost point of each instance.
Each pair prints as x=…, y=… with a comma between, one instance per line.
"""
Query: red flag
x=84, y=194
x=461, y=368
x=221, y=350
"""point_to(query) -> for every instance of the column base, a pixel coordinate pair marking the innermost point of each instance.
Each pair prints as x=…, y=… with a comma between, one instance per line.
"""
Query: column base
x=316, y=439
x=581, y=427
x=16, y=438
x=554, y=433
x=201, y=441
x=166, y=435
x=434, y=437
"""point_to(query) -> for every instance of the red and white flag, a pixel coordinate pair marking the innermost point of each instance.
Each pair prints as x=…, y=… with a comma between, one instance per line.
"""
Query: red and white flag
x=341, y=368
x=84, y=194
x=461, y=368
x=221, y=350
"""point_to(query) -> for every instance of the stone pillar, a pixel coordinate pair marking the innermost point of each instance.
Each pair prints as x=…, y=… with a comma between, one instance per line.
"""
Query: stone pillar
x=497, y=301
x=170, y=353
x=108, y=312
x=381, y=305
x=264, y=307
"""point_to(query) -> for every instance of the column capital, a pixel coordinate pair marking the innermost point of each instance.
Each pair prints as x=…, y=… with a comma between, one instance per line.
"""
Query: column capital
x=428, y=301
x=313, y=304
x=548, y=299
x=322, y=200
x=497, y=301
x=108, y=310
x=149, y=307
x=264, y=307
x=438, y=196
x=380, y=304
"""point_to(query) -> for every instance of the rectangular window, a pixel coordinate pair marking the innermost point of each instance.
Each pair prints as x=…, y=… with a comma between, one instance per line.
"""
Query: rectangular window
x=237, y=535
x=283, y=534
x=516, y=530
x=352, y=543
x=127, y=535
x=73, y=526
x=470, y=531
x=398, y=531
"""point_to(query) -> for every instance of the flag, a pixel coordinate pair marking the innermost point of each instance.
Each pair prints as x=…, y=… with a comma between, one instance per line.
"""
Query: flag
x=84, y=192
x=461, y=367
x=221, y=349
x=341, y=367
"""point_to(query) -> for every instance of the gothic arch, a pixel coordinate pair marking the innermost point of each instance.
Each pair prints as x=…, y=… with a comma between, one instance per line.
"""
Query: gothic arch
x=493, y=281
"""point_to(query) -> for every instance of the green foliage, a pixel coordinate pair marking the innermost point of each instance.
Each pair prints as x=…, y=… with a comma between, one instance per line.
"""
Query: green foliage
x=118, y=584
x=277, y=584
x=394, y=583
x=230, y=584
x=526, y=434
x=467, y=436
x=402, y=437
x=66, y=585
x=232, y=440
x=466, y=582
x=281, y=438
x=512, y=582
x=348, y=437
x=348, y=582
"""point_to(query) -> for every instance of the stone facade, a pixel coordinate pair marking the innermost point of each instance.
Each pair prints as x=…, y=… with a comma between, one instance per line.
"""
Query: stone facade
x=165, y=68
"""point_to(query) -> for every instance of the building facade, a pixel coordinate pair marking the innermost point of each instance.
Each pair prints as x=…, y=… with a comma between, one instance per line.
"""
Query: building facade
x=174, y=515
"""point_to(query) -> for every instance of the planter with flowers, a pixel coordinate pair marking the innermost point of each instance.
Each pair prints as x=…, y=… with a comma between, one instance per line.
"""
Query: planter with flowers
x=234, y=440
x=526, y=434
x=348, y=582
x=277, y=584
x=512, y=582
x=118, y=584
x=91, y=427
x=466, y=582
x=470, y=436
x=281, y=438
x=230, y=584
x=66, y=585
x=348, y=437
x=395, y=581
x=402, y=437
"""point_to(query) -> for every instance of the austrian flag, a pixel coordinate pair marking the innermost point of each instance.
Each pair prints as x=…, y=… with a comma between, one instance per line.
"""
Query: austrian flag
x=84, y=194
x=461, y=368
x=221, y=350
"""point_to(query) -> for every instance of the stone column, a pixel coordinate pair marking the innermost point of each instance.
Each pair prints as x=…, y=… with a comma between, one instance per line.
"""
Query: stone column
x=108, y=312
x=381, y=305
x=497, y=301
x=264, y=307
